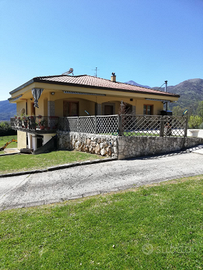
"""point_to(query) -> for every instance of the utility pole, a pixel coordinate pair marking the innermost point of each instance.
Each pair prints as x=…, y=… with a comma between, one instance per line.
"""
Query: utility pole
x=166, y=91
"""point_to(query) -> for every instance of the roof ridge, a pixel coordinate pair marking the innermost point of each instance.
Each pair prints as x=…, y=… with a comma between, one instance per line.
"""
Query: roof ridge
x=61, y=75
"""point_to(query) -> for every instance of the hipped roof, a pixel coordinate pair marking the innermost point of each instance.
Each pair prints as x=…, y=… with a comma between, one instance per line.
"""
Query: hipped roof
x=93, y=82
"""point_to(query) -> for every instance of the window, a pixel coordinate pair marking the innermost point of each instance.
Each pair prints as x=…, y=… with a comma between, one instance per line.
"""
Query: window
x=148, y=110
x=70, y=108
x=108, y=108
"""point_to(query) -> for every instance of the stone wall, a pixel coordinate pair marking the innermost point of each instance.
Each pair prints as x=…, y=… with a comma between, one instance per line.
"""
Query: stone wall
x=145, y=146
x=104, y=145
x=123, y=147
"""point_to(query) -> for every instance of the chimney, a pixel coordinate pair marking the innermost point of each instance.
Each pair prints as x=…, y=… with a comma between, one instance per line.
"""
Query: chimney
x=113, y=77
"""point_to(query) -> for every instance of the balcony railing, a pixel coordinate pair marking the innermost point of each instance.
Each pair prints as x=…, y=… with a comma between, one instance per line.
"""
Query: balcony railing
x=123, y=125
x=38, y=124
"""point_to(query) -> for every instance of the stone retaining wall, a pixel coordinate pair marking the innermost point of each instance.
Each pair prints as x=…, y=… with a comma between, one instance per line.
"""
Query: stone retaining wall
x=123, y=147
x=104, y=145
x=145, y=146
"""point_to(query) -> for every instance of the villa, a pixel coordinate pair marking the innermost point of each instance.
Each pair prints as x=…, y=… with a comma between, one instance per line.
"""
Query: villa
x=42, y=101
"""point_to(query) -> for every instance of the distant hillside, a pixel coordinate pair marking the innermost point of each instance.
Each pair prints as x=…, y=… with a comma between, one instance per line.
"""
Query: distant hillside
x=7, y=110
x=137, y=84
x=190, y=91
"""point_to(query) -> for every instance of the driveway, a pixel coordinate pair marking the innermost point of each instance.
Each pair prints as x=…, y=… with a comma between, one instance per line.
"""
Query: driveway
x=76, y=182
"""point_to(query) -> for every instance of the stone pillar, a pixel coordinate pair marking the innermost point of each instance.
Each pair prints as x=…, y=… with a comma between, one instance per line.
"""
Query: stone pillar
x=99, y=109
x=51, y=108
x=51, y=112
x=133, y=110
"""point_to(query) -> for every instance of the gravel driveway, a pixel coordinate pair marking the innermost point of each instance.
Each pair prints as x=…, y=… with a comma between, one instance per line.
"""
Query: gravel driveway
x=55, y=186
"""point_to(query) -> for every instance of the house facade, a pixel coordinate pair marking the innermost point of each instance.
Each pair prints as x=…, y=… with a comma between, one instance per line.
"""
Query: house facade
x=46, y=99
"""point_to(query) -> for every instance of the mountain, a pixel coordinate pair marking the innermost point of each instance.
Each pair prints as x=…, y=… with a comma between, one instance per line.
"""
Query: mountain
x=7, y=110
x=137, y=84
x=190, y=91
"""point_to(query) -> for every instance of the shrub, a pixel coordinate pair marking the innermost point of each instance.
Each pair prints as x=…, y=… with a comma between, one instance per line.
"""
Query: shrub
x=201, y=126
x=5, y=129
x=194, y=121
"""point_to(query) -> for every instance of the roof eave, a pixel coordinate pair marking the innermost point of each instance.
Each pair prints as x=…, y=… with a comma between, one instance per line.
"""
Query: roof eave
x=22, y=86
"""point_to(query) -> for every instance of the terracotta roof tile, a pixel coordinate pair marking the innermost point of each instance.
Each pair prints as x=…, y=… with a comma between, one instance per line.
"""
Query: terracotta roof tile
x=93, y=82
x=86, y=80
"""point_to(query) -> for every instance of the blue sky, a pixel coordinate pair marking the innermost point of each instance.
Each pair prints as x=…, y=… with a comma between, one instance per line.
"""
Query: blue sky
x=148, y=41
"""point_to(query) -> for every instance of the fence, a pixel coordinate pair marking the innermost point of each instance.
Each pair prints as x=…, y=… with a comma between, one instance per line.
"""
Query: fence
x=127, y=125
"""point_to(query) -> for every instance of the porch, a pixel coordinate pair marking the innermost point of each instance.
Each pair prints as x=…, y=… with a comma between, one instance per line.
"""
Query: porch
x=118, y=125
x=35, y=124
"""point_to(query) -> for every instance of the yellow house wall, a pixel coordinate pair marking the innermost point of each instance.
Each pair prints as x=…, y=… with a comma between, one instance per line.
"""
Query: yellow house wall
x=157, y=106
x=86, y=102
x=89, y=104
x=40, y=110
x=20, y=106
x=21, y=138
x=29, y=107
x=59, y=108
x=86, y=106
x=83, y=105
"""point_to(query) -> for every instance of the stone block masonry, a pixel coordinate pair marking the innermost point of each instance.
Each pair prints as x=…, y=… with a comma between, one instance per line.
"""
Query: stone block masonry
x=123, y=147
x=104, y=145
x=145, y=146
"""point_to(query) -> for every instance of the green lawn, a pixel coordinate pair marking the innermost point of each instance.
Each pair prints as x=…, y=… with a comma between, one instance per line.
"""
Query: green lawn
x=25, y=162
x=154, y=227
x=5, y=139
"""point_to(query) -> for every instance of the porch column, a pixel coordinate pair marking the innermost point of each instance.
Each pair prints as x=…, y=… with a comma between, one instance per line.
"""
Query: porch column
x=51, y=108
x=34, y=143
x=51, y=112
x=29, y=136
x=99, y=108
x=133, y=110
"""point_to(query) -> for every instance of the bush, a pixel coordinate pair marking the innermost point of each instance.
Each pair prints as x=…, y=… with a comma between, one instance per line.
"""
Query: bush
x=201, y=126
x=194, y=121
x=5, y=129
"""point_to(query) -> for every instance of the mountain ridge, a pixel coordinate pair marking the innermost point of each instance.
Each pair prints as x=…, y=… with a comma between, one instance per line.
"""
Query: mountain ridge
x=7, y=110
x=190, y=91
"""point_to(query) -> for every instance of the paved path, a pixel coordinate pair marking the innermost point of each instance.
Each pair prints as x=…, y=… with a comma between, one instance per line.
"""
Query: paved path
x=76, y=182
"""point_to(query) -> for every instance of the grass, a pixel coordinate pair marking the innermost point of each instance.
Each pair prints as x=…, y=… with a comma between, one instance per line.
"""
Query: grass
x=5, y=139
x=25, y=162
x=154, y=227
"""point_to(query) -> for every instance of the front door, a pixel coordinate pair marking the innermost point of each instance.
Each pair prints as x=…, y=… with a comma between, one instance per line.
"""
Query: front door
x=108, y=109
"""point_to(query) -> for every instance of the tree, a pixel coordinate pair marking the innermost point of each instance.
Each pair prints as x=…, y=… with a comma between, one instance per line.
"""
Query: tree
x=194, y=121
x=200, y=109
x=5, y=129
x=177, y=111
